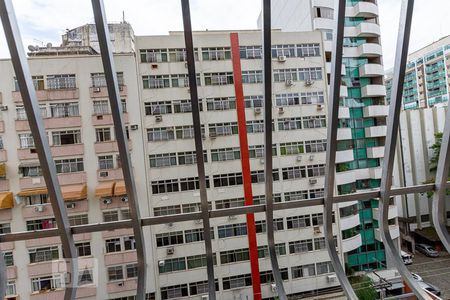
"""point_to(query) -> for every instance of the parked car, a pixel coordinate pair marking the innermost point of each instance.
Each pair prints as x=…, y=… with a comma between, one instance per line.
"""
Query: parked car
x=406, y=257
x=429, y=287
x=416, y=277
x=427, y=250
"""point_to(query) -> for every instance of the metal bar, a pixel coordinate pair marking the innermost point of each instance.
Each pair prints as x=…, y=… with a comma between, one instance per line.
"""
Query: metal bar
x=190, y=57
x=3, y=275
x=332, y=128
x=122, y=141
x=267, y=80
x=393, y=121
x=36, y=123
x=440, y=194
x=245, y=163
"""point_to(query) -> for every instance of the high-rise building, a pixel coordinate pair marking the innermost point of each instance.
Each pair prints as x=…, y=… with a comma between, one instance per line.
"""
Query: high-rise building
x=155, y=96
x=362, y=114
x=427, y=79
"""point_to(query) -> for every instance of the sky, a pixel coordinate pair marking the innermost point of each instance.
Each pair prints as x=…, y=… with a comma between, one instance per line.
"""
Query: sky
x=43, y=21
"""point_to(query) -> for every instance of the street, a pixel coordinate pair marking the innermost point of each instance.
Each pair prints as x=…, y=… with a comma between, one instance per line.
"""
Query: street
x=434, y=270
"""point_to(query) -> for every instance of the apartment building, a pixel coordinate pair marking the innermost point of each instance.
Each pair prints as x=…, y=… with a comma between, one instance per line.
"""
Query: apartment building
x=427, y=79
x=155, y=96
x=363, y=114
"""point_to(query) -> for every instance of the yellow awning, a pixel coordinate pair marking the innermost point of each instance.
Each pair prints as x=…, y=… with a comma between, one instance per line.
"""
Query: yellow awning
x=74, y=192
x=32, y=192
x=6, y=200
x=2, y=170
x=120, y=188
x=105, y=189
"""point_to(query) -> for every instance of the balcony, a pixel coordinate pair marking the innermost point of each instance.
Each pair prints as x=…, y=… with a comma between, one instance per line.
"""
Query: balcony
x=376, y=111
x=344, y=134
x=373, y=90
x=98, y=120
x=352, y=243
x=118, y=258
x=375, y=152
x=366, y=29
x=26, y=183
x=3, y=156
x=369, y=50
x=121, y=286
x=345, y=177
x=49, y=95
x=362, y=9
x=376, y=131
x=375, y=173
x=349, y=222
x=51, y=123
x=32, y=211
x=393, y=212
x=11, y=272
x=371, y=70
x=110, y=174
x=322, y=23
x=344, y=113
x=57, y=151
x=393, y=229
x=344, y=156
x=102, y=92
x=344, y=91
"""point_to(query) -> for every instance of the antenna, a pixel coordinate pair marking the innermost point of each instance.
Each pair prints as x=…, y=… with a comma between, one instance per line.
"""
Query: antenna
x=123, y=16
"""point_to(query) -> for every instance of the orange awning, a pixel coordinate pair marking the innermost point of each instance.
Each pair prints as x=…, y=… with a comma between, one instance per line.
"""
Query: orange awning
x=2, y=170
x=32, y=192
x=74, y=192
x=6, y=200
x=105, y=189
x=120, y=188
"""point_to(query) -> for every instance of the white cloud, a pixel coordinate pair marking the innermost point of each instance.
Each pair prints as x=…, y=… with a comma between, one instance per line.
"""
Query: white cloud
x=46, y=20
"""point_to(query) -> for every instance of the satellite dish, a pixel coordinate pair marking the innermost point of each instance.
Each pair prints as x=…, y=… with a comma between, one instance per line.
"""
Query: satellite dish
x=49, y=45
x=31, y=48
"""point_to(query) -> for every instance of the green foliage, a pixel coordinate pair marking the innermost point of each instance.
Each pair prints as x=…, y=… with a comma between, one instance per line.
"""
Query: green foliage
x=436, y=147
x=362, y=285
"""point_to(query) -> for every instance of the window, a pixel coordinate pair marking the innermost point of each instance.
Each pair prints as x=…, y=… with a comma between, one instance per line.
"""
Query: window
x=236, y=255
x=196, y=235
x=223, y=129
x=200, y=287
x=184, y=106
x=39, y=225
x=30, y=171
x=250, y=52
x=185, y=132
x=101, y=107
x=261, y=225
x=64, y=110
x=304, y=50
x=99, y=80
x=83, y=248
x=158, y=108
x=231, y=230
x=255, y=126
x=314, y=122
x=298, y=221
x=156, y=81
x=190, y=158
x=197, y=261
x=26, y=140
x=163, y=160
x=316, y=170
x=259, y=177
x=263, y=251
x=227, y=179
x=253, y=101
x=46, y=283
x=319, y=243
x=113, y=245
x=193, y=207
x=237, y=281
x=85, y=277
x=267, y=276
x=317, y=219
x=78, y=220
x=165, y=186
x=310, y=74
x=317, y=193
x=293, y=173
x=261, y=199
x=68, y=137
x=294, y=196
x=191, y=183
x=160, y=134
x=223, y=103
x=227, y=203
x=283, y=75
x=312, y=98
x=69, y=165
x=110, y=216
x=289, y=124
x=5, y=228
x=132, y=271
x=287, y=99
x=175, y=291
x=36, y=199
x=180, y=54
x=173, y=265
x=219, y=53
x=283, y=50
x=324, y=12
x=292, y=148
x=1, y=143
x=153, y=55
x=9, y=258
x=254, y=76
x=225, y=154
x=180, y=80
x=324, y=267
x=38, y=82
x=170, y=238
x=115, y=273
x=103, y=134
x=11, y=288
x=63, y=81
x=221, y=78
x=303, y=271
x=129, y=243
x=316, y=146
x=300, y=246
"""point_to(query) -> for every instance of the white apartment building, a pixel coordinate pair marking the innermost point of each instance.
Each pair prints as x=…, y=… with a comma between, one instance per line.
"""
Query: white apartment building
x=154, y=87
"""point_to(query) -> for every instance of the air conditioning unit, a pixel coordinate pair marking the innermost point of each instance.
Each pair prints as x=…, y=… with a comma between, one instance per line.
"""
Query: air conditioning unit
x=311, y=157
x=134, y=127
x=97, y=90
x=257, y=110
x=154, y=66
x=103, y=174
x=282, y=58
x=158, y=118
x=161, y=263
x=281, y=110
x=198, y=221
x=320, y=106
x=107, y=201
x=212, y=135
x=231, y=218
x=317, y=229
x=331, y=278
x=289, y=82
x=261, y=161
x=124, y=199
x=299, y=158
x=39, y=208
x=308, y=82
x=312, y=181
x=170, y=251
x=4, y=107
x=70, y=205
x=273, y=287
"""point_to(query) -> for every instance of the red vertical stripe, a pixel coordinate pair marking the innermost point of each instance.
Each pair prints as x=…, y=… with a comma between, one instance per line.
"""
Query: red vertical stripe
x=248, y=194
